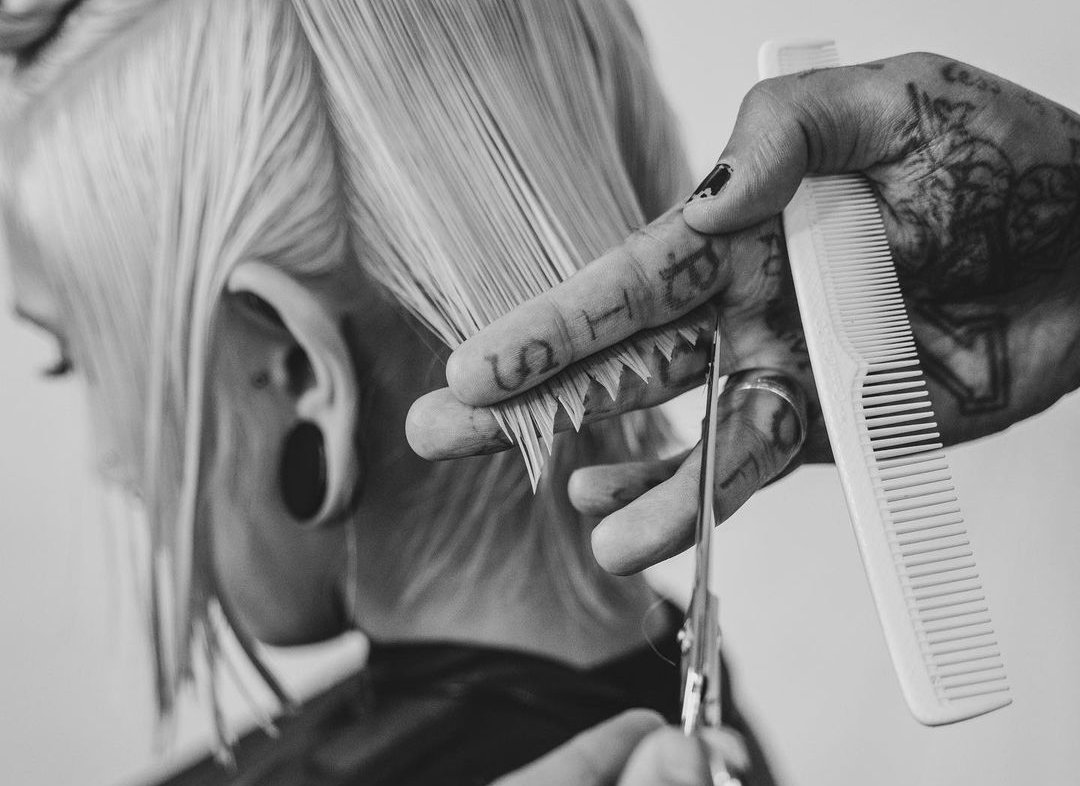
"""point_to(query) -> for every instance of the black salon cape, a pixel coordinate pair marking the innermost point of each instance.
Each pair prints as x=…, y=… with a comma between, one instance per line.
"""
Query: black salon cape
x=453, y=715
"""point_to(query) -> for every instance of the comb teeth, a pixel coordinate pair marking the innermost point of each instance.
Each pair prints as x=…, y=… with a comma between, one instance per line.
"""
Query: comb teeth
x=919, y=502
x=918, y=505
x=904, y=507
x=776, y=59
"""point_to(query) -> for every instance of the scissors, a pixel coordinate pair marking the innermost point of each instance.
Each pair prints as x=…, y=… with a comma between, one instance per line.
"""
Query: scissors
x=699, y=637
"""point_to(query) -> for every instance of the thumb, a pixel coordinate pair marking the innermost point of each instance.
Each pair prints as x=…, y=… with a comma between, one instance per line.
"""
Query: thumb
x=668, y=758
x=824, y=122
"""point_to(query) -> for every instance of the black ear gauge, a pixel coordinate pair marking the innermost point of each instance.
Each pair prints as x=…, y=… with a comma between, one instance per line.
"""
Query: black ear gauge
x=302, y=474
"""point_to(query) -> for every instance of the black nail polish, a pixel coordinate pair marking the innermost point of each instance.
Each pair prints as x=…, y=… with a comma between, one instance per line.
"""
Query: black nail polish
x=713, y=182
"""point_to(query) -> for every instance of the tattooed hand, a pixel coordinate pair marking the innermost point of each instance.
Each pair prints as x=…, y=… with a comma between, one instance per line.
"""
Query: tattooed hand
x=979, y=182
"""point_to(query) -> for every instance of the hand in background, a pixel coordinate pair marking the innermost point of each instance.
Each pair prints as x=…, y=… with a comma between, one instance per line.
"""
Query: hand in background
x=632, y=749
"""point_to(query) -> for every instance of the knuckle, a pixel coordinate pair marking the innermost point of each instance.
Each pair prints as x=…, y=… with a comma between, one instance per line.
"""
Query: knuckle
x=770, y=101
x=818, y=126
x=772, y=92
x=639, y=260
x=786, y=112
x=928, y=58
x=640, y=291
x=556, y=318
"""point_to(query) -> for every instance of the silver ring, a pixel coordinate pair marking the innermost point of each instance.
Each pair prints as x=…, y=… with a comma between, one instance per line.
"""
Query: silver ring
x=776, y=384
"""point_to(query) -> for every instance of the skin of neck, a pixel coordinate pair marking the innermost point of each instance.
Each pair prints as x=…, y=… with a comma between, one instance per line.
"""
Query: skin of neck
x=501, y=594
x=455, y=551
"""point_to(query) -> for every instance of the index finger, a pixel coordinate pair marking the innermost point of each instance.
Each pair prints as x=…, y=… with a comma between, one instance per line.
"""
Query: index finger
x=658, y=274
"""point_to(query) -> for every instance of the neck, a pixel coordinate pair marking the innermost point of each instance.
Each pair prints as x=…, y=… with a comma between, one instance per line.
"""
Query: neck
x=525, y=615
x=498, y=567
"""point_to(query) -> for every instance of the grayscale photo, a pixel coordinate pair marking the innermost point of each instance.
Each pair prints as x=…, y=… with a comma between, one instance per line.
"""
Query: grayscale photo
x=539, y=393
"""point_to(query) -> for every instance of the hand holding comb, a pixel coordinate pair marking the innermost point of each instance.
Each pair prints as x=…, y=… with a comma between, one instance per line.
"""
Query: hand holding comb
x=904, y=507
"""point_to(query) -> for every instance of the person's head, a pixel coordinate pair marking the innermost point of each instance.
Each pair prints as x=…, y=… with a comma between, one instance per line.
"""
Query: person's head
x=225, y=209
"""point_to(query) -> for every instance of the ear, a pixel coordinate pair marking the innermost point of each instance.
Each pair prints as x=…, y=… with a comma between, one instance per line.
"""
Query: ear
x=323, y=388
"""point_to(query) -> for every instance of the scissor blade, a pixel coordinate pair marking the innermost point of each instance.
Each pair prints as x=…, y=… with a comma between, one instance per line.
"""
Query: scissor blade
x=705, y=519
x=700, y=635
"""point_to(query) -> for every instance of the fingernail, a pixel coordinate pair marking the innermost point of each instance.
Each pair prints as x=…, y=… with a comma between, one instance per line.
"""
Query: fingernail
x=713, y=182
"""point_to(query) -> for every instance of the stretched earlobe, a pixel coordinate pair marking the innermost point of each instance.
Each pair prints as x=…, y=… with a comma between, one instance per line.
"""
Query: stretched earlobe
x=318, y=469
x=302, y=472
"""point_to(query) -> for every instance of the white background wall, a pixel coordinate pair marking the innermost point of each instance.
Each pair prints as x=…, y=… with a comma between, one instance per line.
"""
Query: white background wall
x=809, y=659
x=811, y=665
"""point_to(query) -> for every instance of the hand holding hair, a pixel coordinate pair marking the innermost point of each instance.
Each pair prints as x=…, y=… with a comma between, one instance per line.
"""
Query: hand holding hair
x=979, y=182
x=660, y=274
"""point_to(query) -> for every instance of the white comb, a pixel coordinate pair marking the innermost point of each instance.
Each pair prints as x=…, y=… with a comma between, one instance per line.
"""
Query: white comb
x=884, y=437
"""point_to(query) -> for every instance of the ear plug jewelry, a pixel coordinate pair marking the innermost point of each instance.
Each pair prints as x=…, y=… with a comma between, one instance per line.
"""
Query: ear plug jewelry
x=302, y=474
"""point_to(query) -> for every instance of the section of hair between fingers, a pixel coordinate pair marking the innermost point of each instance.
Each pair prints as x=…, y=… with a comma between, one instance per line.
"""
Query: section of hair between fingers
x=439, y=426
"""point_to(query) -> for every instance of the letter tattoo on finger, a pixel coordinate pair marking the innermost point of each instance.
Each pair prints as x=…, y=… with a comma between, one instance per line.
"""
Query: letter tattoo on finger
x=533, y=358
x=595, y=320
x=686, y=279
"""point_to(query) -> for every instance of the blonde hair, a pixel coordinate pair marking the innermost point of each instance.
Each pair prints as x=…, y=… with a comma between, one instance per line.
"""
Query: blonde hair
x=416, y=137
